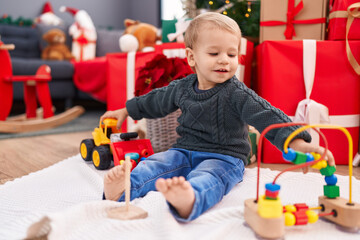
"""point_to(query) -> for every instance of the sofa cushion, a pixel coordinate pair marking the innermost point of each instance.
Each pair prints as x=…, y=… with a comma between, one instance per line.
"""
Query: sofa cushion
x=107, y=41
x=25, y=40
x=58, y=90
x=59, y=69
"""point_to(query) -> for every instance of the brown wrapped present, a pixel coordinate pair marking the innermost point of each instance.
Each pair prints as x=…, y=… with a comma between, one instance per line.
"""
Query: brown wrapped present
x=292, y=19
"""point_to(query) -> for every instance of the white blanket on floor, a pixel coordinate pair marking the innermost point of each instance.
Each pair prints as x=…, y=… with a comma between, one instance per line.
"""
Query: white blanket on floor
x=64, y=201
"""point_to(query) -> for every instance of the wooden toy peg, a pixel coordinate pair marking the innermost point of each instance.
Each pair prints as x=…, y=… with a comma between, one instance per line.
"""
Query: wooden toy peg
x=127, y=212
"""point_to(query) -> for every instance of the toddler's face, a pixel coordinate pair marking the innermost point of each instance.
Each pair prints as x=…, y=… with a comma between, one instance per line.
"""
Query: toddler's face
x=214, y=56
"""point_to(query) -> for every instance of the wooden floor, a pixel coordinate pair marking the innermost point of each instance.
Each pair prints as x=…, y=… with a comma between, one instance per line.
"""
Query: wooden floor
x=21, y=156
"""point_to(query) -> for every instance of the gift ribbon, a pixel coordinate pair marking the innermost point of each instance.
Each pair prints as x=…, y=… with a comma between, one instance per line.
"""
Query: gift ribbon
x=352, y=12
x=180, y=27
x=175, y=52
x=82, y=41
x=130, y=83
x=240, y=71
x=308, y=110
x=290, y=15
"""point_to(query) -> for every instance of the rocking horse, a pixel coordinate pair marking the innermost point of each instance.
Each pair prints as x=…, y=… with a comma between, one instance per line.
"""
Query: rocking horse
x=34, y=86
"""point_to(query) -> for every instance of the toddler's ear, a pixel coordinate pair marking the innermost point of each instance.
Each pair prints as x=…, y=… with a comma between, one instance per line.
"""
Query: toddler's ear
x=190, y=57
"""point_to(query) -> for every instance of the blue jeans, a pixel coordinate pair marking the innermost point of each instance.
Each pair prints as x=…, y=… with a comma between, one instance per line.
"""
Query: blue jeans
x=211, y=175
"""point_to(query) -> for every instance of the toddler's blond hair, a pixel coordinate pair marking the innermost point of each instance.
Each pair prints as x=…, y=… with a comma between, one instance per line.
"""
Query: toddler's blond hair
x=210, y=20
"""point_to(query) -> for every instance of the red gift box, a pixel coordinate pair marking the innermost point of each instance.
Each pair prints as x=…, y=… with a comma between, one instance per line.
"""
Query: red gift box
x=122, y=70
x=341, y=12
x=336, y=85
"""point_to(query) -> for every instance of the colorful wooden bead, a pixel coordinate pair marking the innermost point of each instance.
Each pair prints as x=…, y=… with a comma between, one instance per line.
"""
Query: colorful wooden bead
x=328, y=170
x=271, y=194
x=331, y=180
x=290, y=155
x=316, y=155
x=290, y=219
x=301, y=217
x=331, y=191
x=312, y=216
x=320, y=165
x=301, y=206
x=272, y=187
x=290, y=208
x=300, y=158
x=309, y=157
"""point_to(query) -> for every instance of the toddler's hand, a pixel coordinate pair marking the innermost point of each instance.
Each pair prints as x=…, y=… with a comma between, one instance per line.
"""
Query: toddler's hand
x=302, y=146
x=120, y=115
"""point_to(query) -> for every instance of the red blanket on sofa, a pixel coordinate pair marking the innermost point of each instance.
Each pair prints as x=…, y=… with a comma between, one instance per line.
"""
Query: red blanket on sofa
x=90, y=77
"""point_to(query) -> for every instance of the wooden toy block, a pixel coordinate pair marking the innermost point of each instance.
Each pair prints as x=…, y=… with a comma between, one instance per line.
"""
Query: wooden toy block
x=269, y=208
x=328, y=171
x=264, y=227
x=300, y=158
x=347, y=215
x=331, y=191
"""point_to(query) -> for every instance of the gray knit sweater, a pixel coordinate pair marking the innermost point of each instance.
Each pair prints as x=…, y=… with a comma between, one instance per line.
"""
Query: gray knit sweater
x=216, y=120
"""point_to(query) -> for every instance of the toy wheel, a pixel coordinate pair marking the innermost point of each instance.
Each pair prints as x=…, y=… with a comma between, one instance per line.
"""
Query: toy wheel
x=128, y=136
x=101, y=157
x=86, y=148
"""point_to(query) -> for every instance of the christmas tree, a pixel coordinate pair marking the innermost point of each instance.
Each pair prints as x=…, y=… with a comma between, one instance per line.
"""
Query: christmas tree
x=245, y=12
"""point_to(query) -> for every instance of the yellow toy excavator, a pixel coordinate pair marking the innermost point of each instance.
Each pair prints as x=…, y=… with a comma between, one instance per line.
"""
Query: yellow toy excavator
x=98, y=148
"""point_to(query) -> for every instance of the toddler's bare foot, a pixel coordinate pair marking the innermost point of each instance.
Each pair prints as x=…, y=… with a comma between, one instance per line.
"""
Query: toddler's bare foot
x=114, y=183
x=179, y=193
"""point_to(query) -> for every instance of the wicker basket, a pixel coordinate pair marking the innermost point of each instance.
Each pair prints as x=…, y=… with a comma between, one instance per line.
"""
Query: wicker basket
x=162, y=131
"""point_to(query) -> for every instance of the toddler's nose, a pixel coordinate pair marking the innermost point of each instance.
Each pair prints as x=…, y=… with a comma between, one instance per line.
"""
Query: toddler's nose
x=223, y=59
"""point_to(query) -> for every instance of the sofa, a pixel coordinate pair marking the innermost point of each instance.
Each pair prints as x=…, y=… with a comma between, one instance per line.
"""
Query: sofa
x=26, y=58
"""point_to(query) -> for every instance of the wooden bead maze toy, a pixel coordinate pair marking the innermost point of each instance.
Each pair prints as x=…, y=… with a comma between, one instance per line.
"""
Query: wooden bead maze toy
x=268, y=217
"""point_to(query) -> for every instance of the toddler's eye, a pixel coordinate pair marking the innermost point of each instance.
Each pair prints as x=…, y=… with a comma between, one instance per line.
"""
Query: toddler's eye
x=232, y=55
x=213, y=54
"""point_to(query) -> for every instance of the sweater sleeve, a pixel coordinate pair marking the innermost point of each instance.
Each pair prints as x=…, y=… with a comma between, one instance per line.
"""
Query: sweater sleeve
x=259, y=113
x=157, y=103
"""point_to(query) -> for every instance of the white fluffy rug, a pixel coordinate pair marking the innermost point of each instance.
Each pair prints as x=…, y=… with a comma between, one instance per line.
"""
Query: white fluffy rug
x=64, y=201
